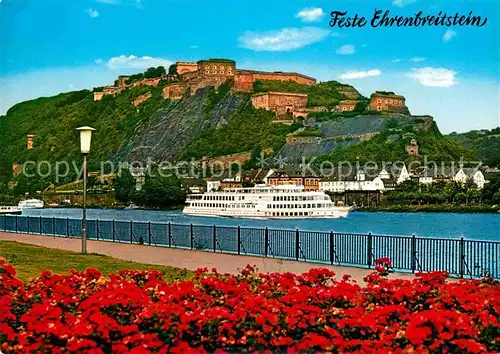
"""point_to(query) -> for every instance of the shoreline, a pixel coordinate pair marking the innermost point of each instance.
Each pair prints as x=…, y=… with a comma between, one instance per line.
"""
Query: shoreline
x=435, y=208
x=396, y=208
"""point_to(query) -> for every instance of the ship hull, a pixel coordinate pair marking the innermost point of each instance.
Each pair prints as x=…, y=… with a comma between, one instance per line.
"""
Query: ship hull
x=12, y=211
x=334, y=214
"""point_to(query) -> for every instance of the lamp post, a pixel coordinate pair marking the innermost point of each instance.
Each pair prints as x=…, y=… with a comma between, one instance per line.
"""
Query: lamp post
x=85, y=138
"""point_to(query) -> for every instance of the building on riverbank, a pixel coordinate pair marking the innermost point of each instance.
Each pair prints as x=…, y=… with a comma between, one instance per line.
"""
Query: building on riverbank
x=429, y=175
x=360, y=180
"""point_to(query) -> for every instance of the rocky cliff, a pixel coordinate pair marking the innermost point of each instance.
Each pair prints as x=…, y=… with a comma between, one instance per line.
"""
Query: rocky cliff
x=177, y=125
x=342, y=132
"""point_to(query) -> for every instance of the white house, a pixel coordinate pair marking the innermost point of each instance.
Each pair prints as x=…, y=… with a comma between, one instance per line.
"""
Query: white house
x=463, y=175
x=460, y=176
x=431, y=175
x=425, y=179
x=359, y=182
x=479, y=179
x=403, y=175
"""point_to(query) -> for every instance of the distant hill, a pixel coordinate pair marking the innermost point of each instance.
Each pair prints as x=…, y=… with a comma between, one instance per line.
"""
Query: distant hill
x=53, y=121
x=138, y=123
x=484, y=143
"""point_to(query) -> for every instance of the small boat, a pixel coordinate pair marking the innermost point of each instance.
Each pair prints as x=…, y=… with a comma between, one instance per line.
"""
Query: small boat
x=132, y=206
x=31, y=204
x=10, y=210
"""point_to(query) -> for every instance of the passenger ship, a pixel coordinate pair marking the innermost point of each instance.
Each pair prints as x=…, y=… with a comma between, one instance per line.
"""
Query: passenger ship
x=281, y=202
x=10, y=210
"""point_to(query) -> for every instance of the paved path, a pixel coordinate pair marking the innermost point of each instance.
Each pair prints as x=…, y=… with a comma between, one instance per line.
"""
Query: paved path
x=224, y=263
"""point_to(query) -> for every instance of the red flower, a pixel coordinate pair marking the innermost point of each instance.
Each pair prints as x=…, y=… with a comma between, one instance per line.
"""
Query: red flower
x=138, y=312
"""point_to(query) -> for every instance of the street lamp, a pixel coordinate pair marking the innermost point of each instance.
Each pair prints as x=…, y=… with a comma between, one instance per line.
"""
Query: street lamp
x=85, y=138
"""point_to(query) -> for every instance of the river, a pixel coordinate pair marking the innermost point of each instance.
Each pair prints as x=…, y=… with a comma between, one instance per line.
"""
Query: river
x=446, y=225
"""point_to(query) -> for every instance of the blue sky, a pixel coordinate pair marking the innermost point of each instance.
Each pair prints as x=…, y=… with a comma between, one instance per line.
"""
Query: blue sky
x=453, y=74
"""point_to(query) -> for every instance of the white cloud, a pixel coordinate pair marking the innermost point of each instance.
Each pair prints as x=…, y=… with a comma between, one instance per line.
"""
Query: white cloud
x=360, y=74
x=283, y=40
x=448, y=35
x=92, y=13
x=133, y=62
x=310, y=14
x=337, y=35
x=194, y=47
x=401, y=3
x=417, y=59
x=434, y=77
x=136, y=3
x=347, y=49
x=99, y=61
x=396, y=60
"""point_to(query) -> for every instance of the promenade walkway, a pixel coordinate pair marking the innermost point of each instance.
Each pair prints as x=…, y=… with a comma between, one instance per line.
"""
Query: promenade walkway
x=189, y=259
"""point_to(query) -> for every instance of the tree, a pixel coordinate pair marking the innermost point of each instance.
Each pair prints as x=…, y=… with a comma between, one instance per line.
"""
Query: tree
x=172, y=70
x=254, y=158
x=490, y=190
x=124, y=186
x=392, y=123
x=160, y=71
x=154, y=72
x=149, y=73
x=361, y=106
x=460, y=197
x=160, y=192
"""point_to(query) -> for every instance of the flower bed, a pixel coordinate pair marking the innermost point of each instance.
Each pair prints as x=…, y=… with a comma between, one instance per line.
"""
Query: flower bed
x=137, y=312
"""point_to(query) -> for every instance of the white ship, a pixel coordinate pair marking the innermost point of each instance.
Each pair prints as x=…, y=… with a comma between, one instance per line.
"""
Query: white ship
x=274, y=202
x=10, y=210
x=31, y=204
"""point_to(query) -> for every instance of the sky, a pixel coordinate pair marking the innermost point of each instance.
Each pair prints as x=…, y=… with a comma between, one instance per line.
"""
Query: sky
x=451, y=73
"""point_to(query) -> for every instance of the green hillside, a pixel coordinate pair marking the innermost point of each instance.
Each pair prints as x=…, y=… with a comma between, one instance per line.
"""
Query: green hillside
x=389, y=145
x=212, y=122
x=53, y=120
x=484, y=143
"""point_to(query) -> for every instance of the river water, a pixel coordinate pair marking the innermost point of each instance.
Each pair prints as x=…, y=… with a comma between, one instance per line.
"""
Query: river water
x=445, y=225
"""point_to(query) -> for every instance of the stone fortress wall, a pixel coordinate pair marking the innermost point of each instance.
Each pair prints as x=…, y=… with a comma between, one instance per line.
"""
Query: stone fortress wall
x=192, y=76
x=281, y=103
x=387, y=101
x=244, y=79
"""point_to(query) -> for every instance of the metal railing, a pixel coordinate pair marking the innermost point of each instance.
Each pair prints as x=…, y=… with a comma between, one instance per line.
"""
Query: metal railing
x=459, y=257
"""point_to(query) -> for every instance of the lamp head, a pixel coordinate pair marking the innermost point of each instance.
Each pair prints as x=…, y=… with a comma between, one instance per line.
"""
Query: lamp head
x=85, y=138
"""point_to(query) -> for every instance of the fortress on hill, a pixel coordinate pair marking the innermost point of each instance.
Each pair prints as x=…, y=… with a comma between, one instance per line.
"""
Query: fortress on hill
x=214, y=72
x=188, y=77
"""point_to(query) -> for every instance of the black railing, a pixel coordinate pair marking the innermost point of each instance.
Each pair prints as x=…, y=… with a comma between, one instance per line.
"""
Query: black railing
x=459, y=257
